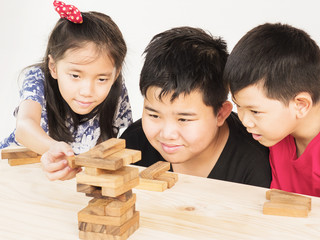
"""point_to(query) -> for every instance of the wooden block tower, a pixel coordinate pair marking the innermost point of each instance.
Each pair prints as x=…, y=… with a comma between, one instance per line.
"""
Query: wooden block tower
x=111, y=214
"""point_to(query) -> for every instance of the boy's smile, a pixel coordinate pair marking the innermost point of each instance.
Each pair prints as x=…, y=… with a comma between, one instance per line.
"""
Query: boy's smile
x=182, y=130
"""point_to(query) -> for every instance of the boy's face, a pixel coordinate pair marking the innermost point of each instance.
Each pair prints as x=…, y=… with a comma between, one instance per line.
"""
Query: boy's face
x=180, y=130
x=268, y=120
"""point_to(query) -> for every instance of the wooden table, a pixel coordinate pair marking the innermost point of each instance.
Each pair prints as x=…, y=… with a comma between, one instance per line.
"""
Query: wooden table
x=33, y=208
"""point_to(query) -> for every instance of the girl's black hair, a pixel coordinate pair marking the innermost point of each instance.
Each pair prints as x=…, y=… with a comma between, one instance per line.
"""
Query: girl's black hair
x=96, y=28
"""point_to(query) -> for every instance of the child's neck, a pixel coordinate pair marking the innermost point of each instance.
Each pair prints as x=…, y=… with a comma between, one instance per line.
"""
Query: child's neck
x=308, y=129
x=203, y=164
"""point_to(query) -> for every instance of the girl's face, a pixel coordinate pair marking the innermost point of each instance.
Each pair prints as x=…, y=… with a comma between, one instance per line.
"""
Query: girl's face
x=84, y=77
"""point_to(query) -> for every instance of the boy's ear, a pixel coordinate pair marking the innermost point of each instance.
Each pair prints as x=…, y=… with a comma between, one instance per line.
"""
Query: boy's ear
x=302, y=104
x=52, y=67
x=224, y=112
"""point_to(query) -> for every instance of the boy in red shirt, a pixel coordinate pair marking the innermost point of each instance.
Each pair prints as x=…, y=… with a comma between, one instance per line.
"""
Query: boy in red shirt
x=274, y=76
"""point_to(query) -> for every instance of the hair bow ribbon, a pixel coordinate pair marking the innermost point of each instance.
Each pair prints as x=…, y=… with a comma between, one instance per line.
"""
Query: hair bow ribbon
x=69, y=12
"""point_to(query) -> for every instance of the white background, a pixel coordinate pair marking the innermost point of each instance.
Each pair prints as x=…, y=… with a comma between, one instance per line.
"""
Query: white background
x=26, y=25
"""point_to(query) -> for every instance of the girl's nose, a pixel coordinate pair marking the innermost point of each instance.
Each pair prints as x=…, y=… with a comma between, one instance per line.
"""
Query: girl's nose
x=86, y=88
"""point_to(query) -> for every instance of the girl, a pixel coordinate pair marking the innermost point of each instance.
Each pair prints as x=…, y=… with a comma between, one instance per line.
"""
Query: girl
x=76, y=97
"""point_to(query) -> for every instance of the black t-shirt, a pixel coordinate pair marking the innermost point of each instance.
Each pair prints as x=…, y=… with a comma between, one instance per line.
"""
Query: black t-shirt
x=243, y=160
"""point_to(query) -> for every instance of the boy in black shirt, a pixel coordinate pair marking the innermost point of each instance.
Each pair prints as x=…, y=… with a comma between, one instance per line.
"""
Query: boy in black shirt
x=186, y=118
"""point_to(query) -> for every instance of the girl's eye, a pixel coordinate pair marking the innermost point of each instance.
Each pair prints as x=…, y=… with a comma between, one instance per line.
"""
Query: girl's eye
x=254, y=112
x=102, y=79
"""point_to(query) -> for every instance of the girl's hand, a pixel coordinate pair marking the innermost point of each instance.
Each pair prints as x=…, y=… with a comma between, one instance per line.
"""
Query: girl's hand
x=54, y=162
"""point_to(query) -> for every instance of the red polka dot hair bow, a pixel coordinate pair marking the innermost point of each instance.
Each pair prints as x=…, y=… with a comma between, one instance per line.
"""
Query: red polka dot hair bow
x=69, y=12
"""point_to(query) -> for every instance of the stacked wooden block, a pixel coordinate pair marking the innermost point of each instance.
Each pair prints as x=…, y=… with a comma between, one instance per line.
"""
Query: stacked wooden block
x=111, y=213
x=284, y=203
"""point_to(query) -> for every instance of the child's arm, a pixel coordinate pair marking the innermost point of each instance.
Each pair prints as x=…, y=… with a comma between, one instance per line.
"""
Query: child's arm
x=28, y=130
x=30, y=134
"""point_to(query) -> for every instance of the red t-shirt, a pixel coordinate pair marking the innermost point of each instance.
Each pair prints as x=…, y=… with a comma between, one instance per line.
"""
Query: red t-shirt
x=299, y=175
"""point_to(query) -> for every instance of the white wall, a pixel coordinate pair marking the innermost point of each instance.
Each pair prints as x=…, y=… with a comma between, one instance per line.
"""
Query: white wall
x=25, y=26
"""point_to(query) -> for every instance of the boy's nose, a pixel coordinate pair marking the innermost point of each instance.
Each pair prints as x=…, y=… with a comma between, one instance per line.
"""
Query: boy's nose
x=169, y=131
x=246, y=120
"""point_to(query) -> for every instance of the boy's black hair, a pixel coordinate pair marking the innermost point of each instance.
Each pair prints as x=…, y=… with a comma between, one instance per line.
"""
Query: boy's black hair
x=283, y=58
x=186, y=59
x=101, y=30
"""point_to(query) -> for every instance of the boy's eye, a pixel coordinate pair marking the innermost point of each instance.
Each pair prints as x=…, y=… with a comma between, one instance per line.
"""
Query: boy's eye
x=153, y=116
x=254, y=112
x=184, y=120
x=75, y=76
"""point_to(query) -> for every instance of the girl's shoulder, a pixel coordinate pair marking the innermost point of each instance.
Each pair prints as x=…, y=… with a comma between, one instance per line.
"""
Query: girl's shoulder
x=33, y=74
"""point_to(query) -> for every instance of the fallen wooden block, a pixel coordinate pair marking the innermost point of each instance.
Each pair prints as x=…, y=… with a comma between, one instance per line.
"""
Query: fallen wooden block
x=283, y=209
x=155, y=170
x=284, y=203
x=152, y=185
x=17, y=152
x=280, y=196
x=169, y=177
x=22, y=161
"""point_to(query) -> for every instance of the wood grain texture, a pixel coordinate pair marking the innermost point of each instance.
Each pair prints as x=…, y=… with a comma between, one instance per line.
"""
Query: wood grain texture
x=33, y=208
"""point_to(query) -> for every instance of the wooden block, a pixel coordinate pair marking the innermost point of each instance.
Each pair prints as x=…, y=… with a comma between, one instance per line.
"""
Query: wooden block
x=85, y=188
x=110, y=179
x=94, y=171
x=86, y=215
x=279, y=196
x=98, y=207
x=283, y=209
x=96, y=194
x=72, y=162
x=125, y=196
x=22, y=161
x=169, y=177
x=128, y=156
x=106, y=148
x=15, y=152
x=114, y=192
x=118, y=208
x=111, y=206
x=155, y=170
x=101, y=236
x=152, y=185
x=107, y=229
x=95, y=162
